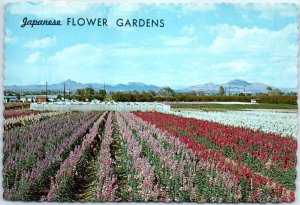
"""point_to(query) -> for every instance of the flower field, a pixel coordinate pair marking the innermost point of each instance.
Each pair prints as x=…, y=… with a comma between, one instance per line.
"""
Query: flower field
x=144, y=156
x=18, y=113
x=266, y=121
x=28, y=118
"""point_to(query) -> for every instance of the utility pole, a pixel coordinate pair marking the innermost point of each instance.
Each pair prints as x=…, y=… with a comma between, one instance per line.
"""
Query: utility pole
x=64, y=92
x=229, y=90
x=244, y=90
x=69, y=93
x=90, y=93
x=46, y=91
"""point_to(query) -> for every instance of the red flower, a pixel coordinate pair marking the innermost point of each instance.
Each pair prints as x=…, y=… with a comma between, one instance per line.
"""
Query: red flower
x=255, y=194
x=292, y=196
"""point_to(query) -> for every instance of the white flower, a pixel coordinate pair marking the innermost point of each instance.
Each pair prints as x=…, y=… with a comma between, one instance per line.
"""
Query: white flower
x=266, y=121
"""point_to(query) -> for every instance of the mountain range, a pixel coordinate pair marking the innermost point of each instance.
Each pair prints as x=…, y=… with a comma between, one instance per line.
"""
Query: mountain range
x=73, y=85
x=234, y=86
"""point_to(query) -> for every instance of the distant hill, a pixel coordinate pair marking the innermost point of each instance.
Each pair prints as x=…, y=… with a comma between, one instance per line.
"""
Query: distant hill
x=236, y=86
x=73, y=85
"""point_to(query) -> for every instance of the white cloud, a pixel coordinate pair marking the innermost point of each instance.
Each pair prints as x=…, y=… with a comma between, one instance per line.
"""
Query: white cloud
x=94, y=55
x=77, y=56
x=113, y=63
x=49, y=9
x=145, y=51
x=80, y=62
x=41, y=43
x=254, y=41
x=33, y=58
x=256, y=54
x=239, y=66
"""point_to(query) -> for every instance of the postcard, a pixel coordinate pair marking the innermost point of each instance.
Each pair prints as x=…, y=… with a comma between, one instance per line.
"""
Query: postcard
x=150, y=102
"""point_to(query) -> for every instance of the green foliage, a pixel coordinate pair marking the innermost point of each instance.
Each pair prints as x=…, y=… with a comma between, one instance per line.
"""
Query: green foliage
x=291, y=100
x=166, y=92
x=10, y=178
x=125, y=171
x=208, y=143
x=132, y=97
x=289, y=177
x=221, y=91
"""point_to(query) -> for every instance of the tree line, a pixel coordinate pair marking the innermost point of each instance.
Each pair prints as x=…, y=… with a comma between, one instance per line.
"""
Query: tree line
x=167, y=94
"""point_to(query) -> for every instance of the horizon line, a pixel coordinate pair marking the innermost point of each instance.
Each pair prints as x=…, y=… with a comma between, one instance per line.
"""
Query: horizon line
x=178, y=86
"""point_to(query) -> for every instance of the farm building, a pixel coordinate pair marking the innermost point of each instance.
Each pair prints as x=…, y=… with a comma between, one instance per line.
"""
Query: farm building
x=41, y=99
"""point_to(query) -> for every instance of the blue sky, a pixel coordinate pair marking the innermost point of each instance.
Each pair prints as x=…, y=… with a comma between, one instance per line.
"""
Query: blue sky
x=200, y=43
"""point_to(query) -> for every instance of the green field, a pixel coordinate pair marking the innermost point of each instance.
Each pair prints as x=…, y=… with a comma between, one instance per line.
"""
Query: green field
x=224, y=107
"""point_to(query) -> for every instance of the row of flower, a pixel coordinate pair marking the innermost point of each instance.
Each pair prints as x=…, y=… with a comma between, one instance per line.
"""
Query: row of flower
x=106, y=179
x=266, y=121
x=18, y=113
x=29, y=119
x=141, y=179
x=232, y=140
x=179, y=175
x=146, y=157
x=198, y=135
x=64, y=178
x=33, y=153
x=188, y=176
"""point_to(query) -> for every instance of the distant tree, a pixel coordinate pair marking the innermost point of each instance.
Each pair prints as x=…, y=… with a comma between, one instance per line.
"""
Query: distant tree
x=18, y=97
x=134, y=91
x=269, y=89
x=276, y=92
x=102, y=92
x=166, y=92
x=99, y=97
x=291, y=93
x=221, y=90
x=89, y=91
x=200, y=93
x=147, y=97
x=79, y=92
x=261, y=94
x=192, y=93
x=152, y=92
